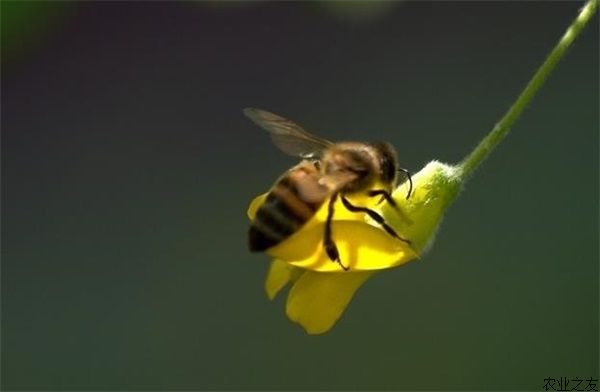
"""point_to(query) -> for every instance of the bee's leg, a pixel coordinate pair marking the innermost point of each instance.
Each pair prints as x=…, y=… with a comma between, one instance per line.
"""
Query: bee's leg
x=375, y=216
x=388, y=197
x=410, y=184
x=385, y=195
x=330, y=246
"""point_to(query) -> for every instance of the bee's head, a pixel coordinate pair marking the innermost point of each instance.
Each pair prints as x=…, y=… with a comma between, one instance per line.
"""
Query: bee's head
x=388, y=163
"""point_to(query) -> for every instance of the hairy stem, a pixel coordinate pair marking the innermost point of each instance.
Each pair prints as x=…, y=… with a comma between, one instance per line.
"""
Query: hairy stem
x=501, y=129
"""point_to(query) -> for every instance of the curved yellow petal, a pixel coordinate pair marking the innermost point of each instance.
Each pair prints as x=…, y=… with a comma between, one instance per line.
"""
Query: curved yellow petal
x=318, y=299
x=361, y=246
x=280, y=274
x=255, y=205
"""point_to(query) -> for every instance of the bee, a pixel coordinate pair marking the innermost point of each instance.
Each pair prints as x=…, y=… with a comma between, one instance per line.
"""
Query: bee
x=328, y=171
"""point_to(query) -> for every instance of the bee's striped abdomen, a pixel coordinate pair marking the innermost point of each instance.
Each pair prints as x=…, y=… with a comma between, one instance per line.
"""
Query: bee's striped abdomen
x=282, y=214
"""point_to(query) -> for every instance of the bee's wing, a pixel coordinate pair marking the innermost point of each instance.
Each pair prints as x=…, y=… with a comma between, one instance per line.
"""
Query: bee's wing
x=287, y=135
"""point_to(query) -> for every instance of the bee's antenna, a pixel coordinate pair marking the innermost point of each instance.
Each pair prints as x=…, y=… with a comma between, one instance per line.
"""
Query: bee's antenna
x=410, y=187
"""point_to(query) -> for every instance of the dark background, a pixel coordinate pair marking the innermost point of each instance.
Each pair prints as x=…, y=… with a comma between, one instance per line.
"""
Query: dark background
x=127, y=168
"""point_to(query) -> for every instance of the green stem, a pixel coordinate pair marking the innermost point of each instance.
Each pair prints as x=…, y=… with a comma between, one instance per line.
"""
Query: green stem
x=501, y=129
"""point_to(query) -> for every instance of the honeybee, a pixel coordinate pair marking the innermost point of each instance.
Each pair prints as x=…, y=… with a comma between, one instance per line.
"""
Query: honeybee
x=328, y=171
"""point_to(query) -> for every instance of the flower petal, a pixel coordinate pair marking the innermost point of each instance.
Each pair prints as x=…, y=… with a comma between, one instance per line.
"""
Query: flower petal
x=318, y=299
x=255, y=205
x=361, y=246
x=280, y=273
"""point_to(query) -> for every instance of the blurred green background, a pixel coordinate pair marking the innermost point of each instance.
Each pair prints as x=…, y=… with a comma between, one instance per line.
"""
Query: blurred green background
x=127, y=168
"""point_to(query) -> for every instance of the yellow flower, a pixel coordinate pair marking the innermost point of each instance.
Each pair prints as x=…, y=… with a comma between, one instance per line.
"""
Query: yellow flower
x=321, y=288
x=375, y=250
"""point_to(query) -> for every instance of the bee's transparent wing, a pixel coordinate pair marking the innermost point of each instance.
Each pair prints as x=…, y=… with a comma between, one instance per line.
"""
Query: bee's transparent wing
x=287, y=135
